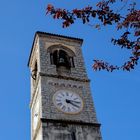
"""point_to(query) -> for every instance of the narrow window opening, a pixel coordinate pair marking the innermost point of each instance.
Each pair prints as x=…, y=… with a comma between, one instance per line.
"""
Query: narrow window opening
x=72, y=62
x=51, y=58
x=34, y=72
x=73, y=136
x=55, y=57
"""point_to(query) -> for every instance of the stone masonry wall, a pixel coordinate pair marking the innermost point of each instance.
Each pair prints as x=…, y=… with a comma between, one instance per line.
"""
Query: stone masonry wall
x=49, y=80
x=46, y=67
x=50, y=85
x=57, y=131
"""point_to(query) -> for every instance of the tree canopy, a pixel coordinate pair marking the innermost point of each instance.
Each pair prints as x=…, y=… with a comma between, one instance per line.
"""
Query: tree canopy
x=127, y=22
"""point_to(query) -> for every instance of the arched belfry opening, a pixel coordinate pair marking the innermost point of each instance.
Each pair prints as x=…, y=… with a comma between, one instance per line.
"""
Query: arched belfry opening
x=62, y=57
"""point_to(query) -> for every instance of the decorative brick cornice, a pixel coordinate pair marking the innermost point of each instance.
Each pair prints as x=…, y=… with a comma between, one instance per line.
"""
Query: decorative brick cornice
x=64, y=77
x=70, y=122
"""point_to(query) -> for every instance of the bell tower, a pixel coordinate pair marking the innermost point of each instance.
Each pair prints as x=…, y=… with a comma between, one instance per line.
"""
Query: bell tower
x=61, y=103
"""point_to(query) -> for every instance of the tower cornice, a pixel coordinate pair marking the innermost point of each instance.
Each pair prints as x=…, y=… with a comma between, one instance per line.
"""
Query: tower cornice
x=64, y=77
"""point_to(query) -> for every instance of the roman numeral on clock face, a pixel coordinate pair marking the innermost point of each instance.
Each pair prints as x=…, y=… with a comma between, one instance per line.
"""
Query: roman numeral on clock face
x=62, y=94
x=69, y=109
x=59, y=104
x=63, y=107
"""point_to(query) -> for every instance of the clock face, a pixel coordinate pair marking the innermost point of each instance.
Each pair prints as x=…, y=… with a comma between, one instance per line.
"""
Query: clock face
x=68, y=102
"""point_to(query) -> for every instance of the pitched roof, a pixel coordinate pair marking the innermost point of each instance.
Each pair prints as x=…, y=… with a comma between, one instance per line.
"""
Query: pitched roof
x=74, y=38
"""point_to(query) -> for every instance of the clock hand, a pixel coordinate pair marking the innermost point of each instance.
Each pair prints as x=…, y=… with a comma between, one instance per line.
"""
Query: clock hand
x=74, y=104
x=70, y=101
x=67, y=100
x=75, y=101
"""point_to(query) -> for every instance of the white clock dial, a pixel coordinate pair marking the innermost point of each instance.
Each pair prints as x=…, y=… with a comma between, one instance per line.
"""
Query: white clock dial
x=68, y=102
x=36, y=114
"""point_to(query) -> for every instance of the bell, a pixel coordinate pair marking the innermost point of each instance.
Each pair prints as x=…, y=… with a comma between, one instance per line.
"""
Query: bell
x=61, y=60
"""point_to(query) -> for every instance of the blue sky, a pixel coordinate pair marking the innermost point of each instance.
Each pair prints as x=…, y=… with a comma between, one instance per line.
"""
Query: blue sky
x=116, y=95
